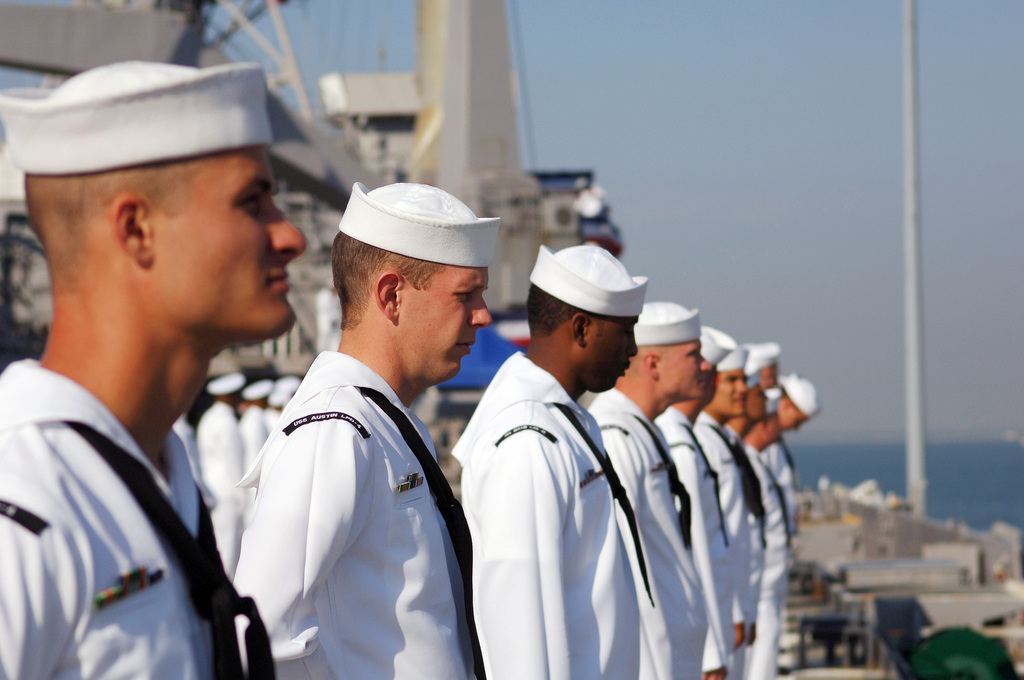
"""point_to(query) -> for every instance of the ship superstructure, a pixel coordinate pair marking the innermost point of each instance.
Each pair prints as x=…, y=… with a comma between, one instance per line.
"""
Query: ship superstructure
x=451, y=123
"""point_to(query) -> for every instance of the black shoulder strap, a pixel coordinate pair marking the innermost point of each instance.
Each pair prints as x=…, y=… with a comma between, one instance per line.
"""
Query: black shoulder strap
x=212, y=594
x=782, y=500
x=678, y=490
x=618, y=491
x=30, y=521
x=751, y=485
x=714, y=478
x=449, y=507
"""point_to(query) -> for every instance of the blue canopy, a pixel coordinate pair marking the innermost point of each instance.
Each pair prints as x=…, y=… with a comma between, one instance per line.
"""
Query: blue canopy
x=486, y=356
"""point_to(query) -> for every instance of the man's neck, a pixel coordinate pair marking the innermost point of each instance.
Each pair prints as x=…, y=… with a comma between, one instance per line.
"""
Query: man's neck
x=715, y=414
x=382, y=358
x=644, y=398
x=690, y=409
x=546, y=355
x=146, y=386
x=740, y=425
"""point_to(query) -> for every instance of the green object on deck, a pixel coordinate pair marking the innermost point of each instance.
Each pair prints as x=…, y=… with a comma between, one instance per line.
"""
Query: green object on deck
x=961, y=654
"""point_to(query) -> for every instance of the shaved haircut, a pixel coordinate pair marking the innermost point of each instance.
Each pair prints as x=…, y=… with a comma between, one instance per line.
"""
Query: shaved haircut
x=60, y=206
x=545, y=312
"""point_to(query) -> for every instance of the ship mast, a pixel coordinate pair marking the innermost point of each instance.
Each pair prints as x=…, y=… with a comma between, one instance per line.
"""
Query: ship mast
x=912, y=297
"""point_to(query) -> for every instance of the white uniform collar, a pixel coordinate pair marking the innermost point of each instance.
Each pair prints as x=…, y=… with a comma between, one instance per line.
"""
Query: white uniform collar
x=613, y=399
x=518, y=380
x=704, y=419
x=678, y=415
x=333, y=369
x=330, y=370
x=33, y=395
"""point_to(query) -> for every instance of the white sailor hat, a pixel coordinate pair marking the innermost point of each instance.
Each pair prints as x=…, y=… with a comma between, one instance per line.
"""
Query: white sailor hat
x=226, y=384
x=260, y=389
x=134, y=113
x=761, y=355
x=666, y=323
x=590, y=278
x=284, y=389
x=736, y=359
x=420, y=221
x=772, y=395
x=715, y=345
x=802, y=393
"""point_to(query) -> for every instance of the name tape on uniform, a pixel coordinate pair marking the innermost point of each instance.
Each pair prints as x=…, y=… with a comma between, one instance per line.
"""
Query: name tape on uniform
x=522, y=428
x=330, y=415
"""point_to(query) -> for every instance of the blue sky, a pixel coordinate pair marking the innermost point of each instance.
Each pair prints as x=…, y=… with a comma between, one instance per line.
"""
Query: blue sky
x=752, y=155
x=751, y=152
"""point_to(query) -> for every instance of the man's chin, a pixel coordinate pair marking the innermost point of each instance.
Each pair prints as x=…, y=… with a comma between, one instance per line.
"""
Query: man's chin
x=452, y=369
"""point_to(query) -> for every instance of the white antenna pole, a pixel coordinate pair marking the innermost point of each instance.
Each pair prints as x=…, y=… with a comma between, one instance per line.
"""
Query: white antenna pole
x=912, y=298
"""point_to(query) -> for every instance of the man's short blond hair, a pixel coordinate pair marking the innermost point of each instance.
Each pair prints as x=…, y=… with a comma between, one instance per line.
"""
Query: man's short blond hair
x=354, y=265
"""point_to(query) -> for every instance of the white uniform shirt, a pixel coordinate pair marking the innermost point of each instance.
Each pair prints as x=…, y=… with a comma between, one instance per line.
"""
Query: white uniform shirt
x=270, y=417
x=738, y=521
x=776, y=552
x=221, y=454
x=758, y=528
x=710, y=552
x=775, y=459
x=672, y=632
x=762, y=657
x=252, y=427
x=347, y=556
x=94, y=533
x=552, y=584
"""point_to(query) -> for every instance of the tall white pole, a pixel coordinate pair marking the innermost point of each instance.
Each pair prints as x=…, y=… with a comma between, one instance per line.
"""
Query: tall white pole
x=912, y=298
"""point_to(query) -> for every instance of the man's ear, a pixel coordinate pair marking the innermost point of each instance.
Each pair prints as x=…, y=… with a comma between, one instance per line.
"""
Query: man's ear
x=387, y=294
x=651, y=362
x=580, y=326
x=133, y=219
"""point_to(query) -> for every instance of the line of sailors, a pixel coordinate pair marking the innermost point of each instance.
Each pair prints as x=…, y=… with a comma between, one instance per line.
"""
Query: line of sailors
x=644, y=537
x=225, y=443
x=647, y=535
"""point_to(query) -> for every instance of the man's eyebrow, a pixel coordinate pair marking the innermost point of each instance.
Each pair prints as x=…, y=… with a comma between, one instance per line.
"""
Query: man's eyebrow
x=260, y=183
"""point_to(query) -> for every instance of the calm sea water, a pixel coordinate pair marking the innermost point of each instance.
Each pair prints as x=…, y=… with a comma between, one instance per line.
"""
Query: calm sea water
x=978, y=483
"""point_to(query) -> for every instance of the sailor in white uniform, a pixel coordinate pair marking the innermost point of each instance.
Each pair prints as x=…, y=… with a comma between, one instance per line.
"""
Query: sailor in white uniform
x=102, y=530
x=252, y=424
x=740, y=493
x=798, y=404
x=284, y=388
x=252, y=428
x=554, y=590
x=358, y=554
x=763, y=360
x=763, y=655
x=666, y=370
x=710, y=537
x=222, y=460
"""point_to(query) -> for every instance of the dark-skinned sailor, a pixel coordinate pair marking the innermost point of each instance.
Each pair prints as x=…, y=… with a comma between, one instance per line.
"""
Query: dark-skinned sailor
x=553, y=582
